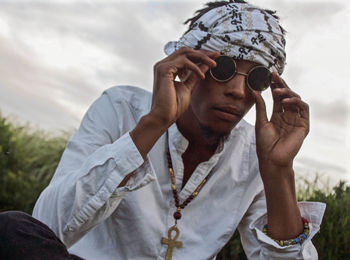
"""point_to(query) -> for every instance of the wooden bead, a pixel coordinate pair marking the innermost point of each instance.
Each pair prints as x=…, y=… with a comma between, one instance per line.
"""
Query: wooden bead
x=177, y=215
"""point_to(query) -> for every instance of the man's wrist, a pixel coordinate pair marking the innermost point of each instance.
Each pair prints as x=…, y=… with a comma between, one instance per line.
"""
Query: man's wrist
x=156, y=122
x=157, y=118
x=146, y=133
x=271, y=173
x=284, y=218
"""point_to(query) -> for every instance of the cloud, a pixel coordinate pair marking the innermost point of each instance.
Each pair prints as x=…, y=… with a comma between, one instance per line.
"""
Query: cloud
x=131, y=34
x=304, y=13
x=54, y=63
x=334, y=112
x=322, y=166
x=33, y=91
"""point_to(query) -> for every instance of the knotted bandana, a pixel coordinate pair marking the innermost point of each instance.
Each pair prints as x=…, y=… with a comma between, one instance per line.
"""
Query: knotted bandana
x=242, y=31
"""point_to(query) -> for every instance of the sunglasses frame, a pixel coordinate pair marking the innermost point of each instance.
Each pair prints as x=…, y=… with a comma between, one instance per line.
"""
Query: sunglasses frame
x=240, y=73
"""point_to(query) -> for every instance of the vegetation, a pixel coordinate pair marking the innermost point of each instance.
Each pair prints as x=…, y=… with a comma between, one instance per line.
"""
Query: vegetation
x=333, y=241
x=29, y=158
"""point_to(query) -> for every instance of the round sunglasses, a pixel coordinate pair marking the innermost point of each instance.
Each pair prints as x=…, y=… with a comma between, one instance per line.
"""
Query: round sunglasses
x=258, y=78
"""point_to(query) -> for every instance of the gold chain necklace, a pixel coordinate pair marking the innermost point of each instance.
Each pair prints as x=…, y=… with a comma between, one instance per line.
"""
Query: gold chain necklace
x=172, y=241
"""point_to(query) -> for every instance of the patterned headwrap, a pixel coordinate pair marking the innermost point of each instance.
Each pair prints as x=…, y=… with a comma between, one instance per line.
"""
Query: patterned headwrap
x=239, y=30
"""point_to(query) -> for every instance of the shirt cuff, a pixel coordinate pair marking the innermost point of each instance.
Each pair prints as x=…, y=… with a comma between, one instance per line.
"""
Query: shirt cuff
x=312, y=211
x=131, y=158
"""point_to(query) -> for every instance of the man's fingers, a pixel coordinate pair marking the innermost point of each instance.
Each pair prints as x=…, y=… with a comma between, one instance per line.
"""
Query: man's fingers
x=193, y=79
x=284, y=93
x=200, y=57
x=185, y=61
x=280, y=93
x=296, y=105
x=277, y=105
x=277, y=81
x=276, y=85
x=304, y=111
x=189, y=65
x=260, y=108
x=204, y=61
x=197, y=56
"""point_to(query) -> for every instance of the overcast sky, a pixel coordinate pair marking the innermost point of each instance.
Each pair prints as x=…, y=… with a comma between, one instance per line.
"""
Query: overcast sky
x=56, y=58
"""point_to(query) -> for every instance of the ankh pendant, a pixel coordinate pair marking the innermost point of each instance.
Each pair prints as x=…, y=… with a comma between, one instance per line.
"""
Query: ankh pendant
x=171, y=242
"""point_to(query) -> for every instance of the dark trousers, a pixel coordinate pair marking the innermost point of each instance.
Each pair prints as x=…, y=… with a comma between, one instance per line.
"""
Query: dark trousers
x=23, y=237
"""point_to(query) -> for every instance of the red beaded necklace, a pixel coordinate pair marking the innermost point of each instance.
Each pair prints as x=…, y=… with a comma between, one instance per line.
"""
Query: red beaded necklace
x=172, y=241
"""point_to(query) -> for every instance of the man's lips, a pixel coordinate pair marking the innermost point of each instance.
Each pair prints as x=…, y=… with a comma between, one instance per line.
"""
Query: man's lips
x=228, y=113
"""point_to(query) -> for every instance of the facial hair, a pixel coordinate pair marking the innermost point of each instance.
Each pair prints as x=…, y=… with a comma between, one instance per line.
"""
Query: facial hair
x=212, y=136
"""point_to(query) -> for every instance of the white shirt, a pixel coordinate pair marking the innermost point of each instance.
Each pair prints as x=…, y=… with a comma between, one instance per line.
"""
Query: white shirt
x=97, y=220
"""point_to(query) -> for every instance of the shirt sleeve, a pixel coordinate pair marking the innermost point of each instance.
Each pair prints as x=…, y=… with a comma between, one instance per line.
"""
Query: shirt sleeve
x=257, y=245
x=84, y=190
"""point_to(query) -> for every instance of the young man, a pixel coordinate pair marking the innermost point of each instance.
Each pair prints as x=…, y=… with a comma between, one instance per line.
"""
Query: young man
x=173, y=174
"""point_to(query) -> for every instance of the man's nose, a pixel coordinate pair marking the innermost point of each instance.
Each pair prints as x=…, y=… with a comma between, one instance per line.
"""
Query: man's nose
x=236, y=86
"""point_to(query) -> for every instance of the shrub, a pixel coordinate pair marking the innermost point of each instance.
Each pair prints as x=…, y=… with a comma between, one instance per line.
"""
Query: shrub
x=28, y=160
x=333, y=241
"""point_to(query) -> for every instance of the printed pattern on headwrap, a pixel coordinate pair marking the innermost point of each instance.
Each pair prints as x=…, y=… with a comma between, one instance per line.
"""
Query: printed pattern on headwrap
x=242, y=31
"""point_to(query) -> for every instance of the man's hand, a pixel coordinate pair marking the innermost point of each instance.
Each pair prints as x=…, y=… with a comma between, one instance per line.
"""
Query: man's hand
x=279, y=140
x=277, y=143
x=171, y=98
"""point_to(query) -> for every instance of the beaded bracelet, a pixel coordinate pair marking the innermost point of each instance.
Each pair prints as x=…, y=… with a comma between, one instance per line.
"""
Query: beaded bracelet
x=298, y=240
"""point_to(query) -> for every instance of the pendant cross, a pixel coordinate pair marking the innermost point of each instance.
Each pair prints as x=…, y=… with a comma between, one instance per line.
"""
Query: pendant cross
x=171, y=242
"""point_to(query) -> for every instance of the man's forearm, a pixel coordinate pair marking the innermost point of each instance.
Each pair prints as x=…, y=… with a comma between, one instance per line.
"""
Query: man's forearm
x=284, y=219
x=146, y=133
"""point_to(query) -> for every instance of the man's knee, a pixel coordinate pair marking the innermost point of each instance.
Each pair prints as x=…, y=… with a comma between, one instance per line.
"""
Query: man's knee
x=17, y=226
x=12, y=215
x=10, y=220
x=24, y=237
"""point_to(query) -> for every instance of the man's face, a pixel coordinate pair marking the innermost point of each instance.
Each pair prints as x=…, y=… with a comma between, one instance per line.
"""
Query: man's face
x=219, y=106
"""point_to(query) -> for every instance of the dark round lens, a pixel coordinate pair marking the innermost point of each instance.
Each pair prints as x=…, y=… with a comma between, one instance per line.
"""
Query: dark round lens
x=259, y=78
x=225, y=68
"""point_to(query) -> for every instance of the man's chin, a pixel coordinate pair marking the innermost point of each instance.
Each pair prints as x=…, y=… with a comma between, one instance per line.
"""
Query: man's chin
x=215, y=135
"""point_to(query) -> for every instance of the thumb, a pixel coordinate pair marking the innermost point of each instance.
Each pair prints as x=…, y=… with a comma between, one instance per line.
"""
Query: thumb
x=260, y=108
